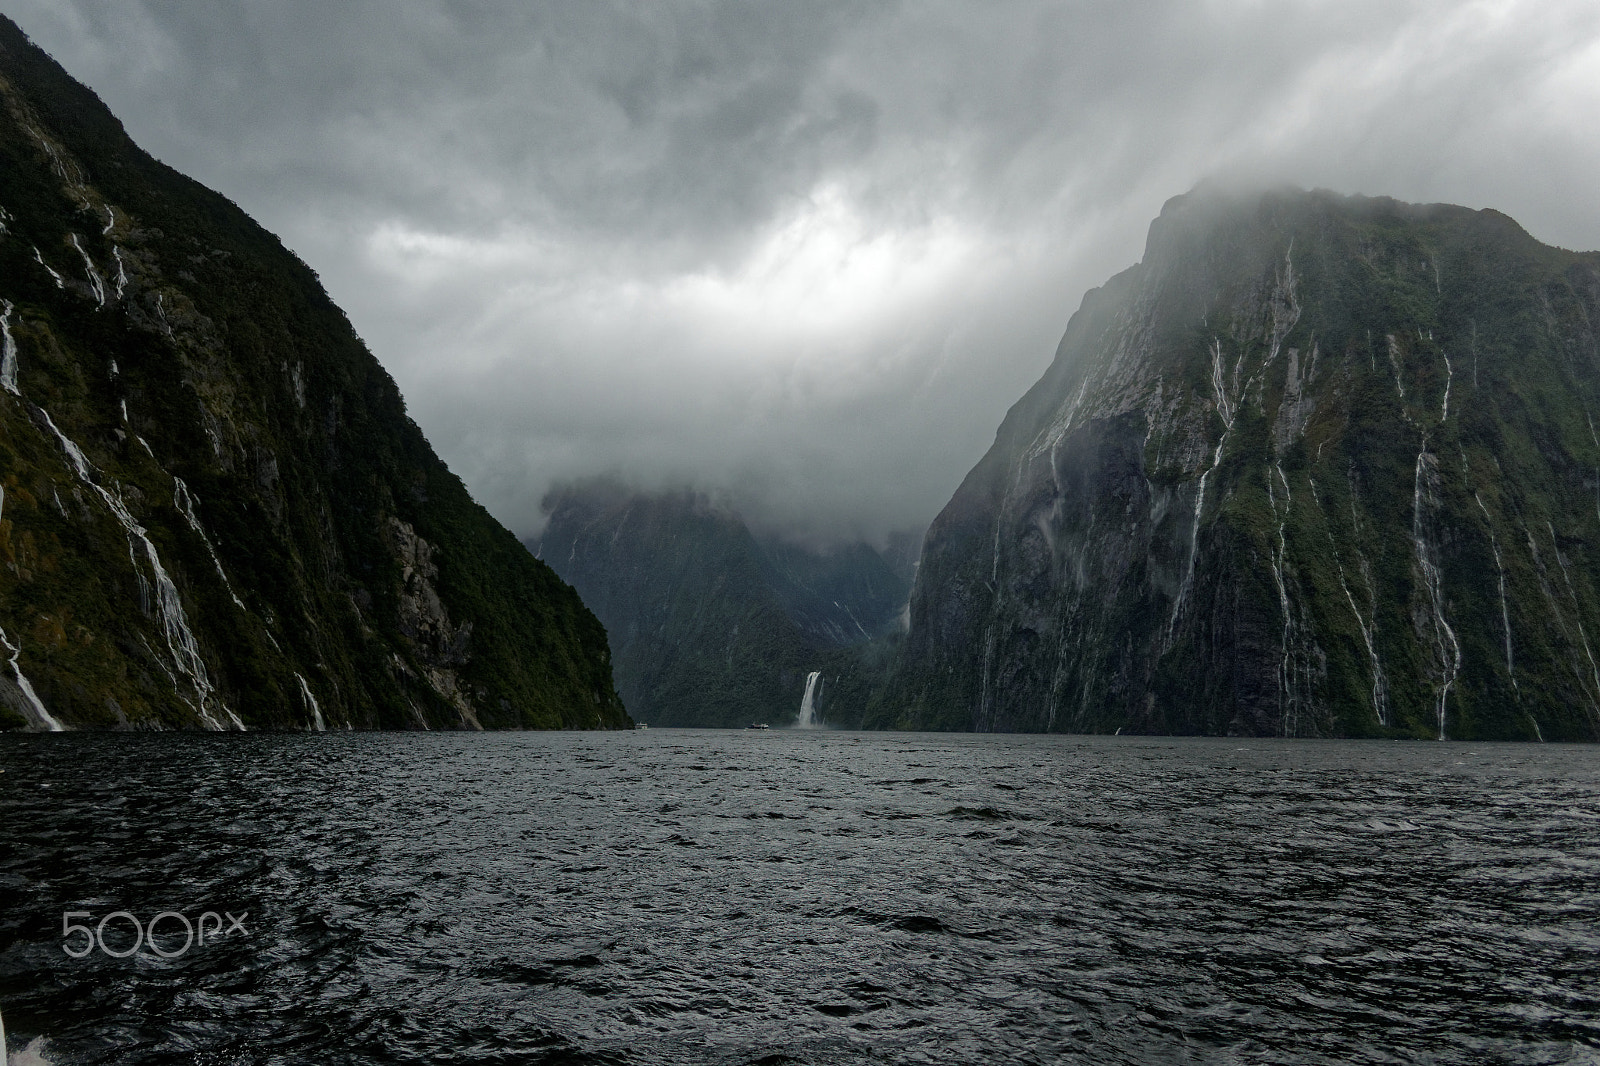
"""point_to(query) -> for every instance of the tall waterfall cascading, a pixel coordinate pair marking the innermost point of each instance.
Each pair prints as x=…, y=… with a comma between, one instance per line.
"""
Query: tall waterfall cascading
x=808, y=706
x=311, y=702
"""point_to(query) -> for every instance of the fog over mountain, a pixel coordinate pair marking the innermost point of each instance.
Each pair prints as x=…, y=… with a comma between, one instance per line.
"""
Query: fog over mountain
x=804, y=253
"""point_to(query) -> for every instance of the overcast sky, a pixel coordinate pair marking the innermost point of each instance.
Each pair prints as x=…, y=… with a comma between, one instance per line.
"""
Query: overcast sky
x=806, y=252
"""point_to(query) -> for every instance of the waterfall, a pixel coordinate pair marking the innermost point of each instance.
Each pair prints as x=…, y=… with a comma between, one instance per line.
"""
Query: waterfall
x=42, y=717
x=1446, y=647
x=8, y=353
x=1505, y=614
x=60, y=283
x=184, y=501
x=311, y=702
x=95, y=281
x=808, y=707
x=175, y=623
x=1285, y=311
x=122, y=270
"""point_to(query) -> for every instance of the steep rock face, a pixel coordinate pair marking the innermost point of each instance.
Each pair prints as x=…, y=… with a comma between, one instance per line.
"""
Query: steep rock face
x=838, y=597
x=711, y=625
x=1316, y=466
x=215, y=511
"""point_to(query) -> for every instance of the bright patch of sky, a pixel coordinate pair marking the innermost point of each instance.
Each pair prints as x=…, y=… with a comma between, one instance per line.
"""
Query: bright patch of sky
x=806, y=253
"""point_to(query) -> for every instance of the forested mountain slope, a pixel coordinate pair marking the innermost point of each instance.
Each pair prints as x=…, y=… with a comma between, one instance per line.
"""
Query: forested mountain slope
x=216, y=512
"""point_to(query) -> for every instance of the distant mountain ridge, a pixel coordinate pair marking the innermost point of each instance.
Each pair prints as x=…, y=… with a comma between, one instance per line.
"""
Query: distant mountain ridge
x=1317, y=466
x=214, y=510
x=712, y=625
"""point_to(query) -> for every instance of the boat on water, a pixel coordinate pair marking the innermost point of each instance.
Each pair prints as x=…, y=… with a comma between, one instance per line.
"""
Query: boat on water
x=758, y=725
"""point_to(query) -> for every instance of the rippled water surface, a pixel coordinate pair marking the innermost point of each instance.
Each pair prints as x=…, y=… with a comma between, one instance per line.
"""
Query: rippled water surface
x=738, y=897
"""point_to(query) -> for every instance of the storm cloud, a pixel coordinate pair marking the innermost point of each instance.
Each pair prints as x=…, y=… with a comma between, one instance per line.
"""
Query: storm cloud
x=806, y=254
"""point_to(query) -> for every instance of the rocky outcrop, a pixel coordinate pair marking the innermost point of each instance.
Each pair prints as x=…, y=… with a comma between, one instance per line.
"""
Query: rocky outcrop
x=437, y=647
x=1317, y=466
x=215, y=511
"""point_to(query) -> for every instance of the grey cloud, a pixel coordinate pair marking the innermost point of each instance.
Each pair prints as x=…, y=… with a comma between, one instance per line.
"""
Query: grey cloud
x=808, y=253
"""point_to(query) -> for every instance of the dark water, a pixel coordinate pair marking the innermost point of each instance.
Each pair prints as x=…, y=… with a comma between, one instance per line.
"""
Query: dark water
x=738, y=897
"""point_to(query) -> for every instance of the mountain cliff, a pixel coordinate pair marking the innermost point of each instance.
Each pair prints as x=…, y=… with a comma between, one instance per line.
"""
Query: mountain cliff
x=712, y=625
x=1317, y=466
x=215, y=511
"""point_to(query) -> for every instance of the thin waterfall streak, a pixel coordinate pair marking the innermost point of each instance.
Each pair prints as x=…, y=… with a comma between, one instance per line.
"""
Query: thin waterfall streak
x=1286, y=695
x=1577, y=608
x=59, y=280
x=95, y=281
x=1474, y=355
x=1285, y=315
x=1505, y=613
x=311, y=703
x=1394, y=361
x=1218, y=384
x=122, y=270
x=184, y=502
x=1380, y=690
x=1051, y=436
x=1226, y=409
x=161, y=312
x=1380, y=703
x=1596, y=440
x=1449, y=376
x=1449, y=650
x=1194, y=539
x=181, y=642
x=8, y=353
x=1556, y=612
x=35, y=704
x=994, y=567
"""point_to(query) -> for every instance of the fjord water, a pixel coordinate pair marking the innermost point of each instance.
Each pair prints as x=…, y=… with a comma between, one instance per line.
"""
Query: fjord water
x=674, y=896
